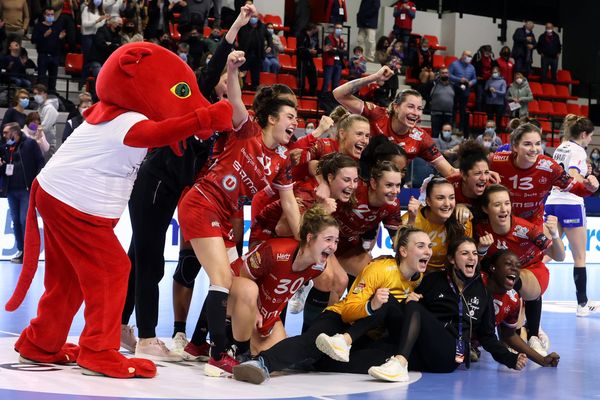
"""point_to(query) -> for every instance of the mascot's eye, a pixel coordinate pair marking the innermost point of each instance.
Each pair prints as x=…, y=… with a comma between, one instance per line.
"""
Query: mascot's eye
x=181, y=90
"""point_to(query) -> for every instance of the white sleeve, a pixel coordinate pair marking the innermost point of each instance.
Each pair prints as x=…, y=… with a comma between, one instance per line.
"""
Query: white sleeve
x=578, y=159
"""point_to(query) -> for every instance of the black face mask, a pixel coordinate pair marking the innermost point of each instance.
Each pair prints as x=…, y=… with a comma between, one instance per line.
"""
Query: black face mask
x=444, y=78
x=117, y=29
x=216, y=38
x=128, y=29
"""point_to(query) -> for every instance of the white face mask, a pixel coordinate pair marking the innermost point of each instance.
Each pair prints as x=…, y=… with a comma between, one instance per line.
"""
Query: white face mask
x=549, y=30
x=487, y=145
x=519, y=80
x=496, y=75
x=468, y=59
x=39, y=99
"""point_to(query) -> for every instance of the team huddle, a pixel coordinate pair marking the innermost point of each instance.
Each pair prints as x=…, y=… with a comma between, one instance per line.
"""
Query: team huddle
x=468, y=257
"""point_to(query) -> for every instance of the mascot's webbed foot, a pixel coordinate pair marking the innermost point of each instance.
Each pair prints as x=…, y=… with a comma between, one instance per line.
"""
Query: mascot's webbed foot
x=113, y=364
x=29, y=353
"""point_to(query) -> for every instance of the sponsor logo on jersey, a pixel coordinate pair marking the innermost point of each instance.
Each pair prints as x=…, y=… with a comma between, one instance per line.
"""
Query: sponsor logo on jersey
x=283, y=257
x=281, y=151
x=254, y=261
x=229, y=182
x=544, y=165
x=521, y=232
x=499, y=157
x=543, y=180
x=359, y=288
x=416, y=135
x=215, y=224
x=245, y=178
x=266, y=163
x=501, y=245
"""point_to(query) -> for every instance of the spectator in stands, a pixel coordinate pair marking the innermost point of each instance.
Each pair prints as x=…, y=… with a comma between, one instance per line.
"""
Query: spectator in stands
x=548, y=45
x=302, y=17
x=335, y=11
x=398, y=51
x=442, y=102
x=157, y=19
x=358, y=63
x=15, y=17
x=522, y=51
x=495, y=96
x=26, y=159
x=271, y=62
x=133, y=12
x=404, y=13
x=92, y=18
x=113, y=7
x=506, y=64
x=85, y=101
x=307, y=49
x=254, y=41
x=489, y=139
x=198, y=46
x=16, y=113
x=422, y=68
x=195, y=14
x=334, y=48
x=167, y=42
x=47, y=37
x=367, y=21
x=48, y=110
x=131, y=33
x=595, y=161
x=212, y=41
x=65, y=12
x=483, y=61
x=15, y=66
x=448, y=143
x=174, y=8
x=33, y=129
x=520, y=93
x=106, y=40
x=463, y=77
x=383, y=50
x=183, y=51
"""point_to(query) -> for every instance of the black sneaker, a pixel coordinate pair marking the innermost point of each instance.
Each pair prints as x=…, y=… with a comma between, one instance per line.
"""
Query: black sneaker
x=18, y=258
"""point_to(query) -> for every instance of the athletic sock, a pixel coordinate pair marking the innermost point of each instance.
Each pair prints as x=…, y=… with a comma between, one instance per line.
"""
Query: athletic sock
x=178, y=326
x=533, y=312
x=241, y=347
x=580, y=279
x=201, y=330
x=316, y=301
x=216, y=310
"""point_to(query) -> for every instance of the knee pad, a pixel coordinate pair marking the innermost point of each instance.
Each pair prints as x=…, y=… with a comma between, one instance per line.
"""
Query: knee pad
x=187, y=269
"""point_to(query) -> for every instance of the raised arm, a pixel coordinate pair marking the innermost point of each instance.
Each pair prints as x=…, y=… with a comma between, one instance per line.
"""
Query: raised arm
x=345, y=94
x=234, y=91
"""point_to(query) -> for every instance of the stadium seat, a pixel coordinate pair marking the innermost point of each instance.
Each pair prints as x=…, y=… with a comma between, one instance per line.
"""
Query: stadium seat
x=291, y=45
x=438, y=61
x=206, y=32
x=548, y=91
x=318, y=65
x=247, y=98
x=74, y=63
x=573, y=108
x=479, y=120
x=536, y=89
x=534, y=107
x=283, y=41
x=267, y=78
x=286, y=62
x=564, y=76
x=449, y=60
x=560, y=109
x=307, y=105
x=434, y=42
x=289, y=80
x=585, y=110
x=545, y=108
x=174, y=31
x=562, y=93
x=408, y=79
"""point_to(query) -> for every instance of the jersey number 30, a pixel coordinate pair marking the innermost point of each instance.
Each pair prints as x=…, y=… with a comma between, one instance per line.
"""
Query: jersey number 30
x=286, y=285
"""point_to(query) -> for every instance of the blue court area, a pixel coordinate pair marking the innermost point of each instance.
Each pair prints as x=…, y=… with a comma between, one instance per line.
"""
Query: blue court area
x=577, y=341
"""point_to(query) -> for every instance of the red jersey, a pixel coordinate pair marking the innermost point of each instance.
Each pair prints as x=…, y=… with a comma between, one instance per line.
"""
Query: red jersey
x=418, y=143
x=358, y=217
x=245, y=167
x=456, y=181
x=270, y=265
x=529, y=187
x=318, y=149
x=526, y=239
x=507, y=306
x=263, y=226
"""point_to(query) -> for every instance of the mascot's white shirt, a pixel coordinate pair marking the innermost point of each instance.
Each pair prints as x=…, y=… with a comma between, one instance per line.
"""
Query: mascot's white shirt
x=93, y=171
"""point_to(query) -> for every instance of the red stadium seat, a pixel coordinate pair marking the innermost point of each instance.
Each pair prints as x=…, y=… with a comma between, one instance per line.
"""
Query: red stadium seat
x=434, y=42
x=291, y=44
x=546, y=108
x=318, y=65
x=74, y=63
x=307, y=105
x=562, y=93
x=286, y=62
x=546, y=125
x=560, y=109
x=283, y=41
x=174, y=32
x=585, y=110
x=573, y=108
x=206, y=32
x=536, y=89
x=534, y=107
x=438, y=61
x=289, y=80
x=548, y=91
x=564, y=76
x=247, y=98
x=267, y=78
x=479, y=120
x=449, y=60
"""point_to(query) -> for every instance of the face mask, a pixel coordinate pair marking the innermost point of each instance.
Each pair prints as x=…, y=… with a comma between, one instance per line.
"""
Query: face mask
x=491, y=131
x=444, y=78
x=39, y=99
x=216, y=38
x=117, y=29
x=549, y=31
x=270, y=30
x=309, y=130
x=49, y=19
x=487, y=145
x=253, y=20
x=207, y=60
x=338, y=32
x=446, y=134
x=24, y=102
x=595, y=156
x=496, y=75
x=505, y=55
x=425, y=48
x=97, y=3
x=128, y=29
x=10, y=142
x=519, y=80
x=183, y=56
x=468, y=59
x=82, y=109
x=32, y=126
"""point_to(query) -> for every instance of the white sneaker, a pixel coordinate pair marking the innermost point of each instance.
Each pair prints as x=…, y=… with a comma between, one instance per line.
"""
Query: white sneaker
x=392, y=371
x=296, y=303
x=155, y=349
x=334, y=346
x=536, y=344
x=544, y=339
x=128, y=340
x=587, y=309
x=179, y=343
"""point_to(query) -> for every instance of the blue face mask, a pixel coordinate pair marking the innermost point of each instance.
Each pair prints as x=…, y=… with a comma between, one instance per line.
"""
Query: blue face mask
x=10, y=142
x=253, y=20
x=97, y=3
x=338, y=32
x=183, y=56
x=24, y=102
x=270, y=30
x=49, y=19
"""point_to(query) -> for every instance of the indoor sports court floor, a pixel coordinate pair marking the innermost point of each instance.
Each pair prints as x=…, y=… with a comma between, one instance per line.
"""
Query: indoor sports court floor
x=575, y=339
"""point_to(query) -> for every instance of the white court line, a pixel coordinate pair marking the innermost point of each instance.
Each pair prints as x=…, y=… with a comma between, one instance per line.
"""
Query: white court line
x=11, y=333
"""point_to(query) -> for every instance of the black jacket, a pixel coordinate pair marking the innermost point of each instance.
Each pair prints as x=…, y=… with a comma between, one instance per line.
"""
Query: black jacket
x=254, y=40
x=304, y=44
x=549, y=45
x=520, y=49
x=368, y=14
x=28, y=161
x=50, y=44
x=105, y=42
x=442, y=301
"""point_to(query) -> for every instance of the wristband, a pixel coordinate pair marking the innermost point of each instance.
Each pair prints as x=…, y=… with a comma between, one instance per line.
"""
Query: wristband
x=482, y=253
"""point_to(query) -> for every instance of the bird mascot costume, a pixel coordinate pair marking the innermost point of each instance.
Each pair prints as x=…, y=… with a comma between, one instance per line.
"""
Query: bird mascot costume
x=148, y=97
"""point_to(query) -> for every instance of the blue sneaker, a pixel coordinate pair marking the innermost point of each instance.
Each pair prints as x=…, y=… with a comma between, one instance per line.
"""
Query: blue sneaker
x=253, y=371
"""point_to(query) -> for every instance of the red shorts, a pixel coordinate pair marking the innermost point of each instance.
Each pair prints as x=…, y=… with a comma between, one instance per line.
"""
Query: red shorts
x=267, y=327
x=201, y=218
x=259, y=234
x=260, y=201
x=541, y=273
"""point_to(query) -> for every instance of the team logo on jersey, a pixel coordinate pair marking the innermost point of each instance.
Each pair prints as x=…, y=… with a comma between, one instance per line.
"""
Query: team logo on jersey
x=283, y=257
x=544, y=165
x=543, y=180
x=521, y=232
x=359, y=288
x=254, y=261
x=501, y=245
x=229, y=182
x=265, y=161
x=416, y=135
x=281, y=152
